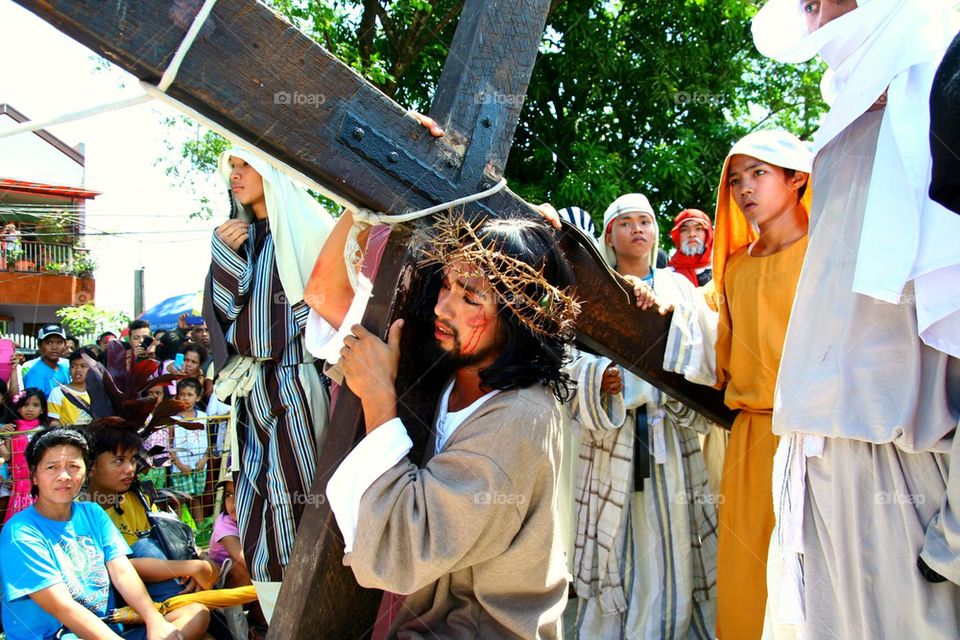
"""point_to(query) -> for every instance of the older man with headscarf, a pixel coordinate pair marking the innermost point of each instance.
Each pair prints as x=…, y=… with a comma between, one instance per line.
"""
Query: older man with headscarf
x=692, y=235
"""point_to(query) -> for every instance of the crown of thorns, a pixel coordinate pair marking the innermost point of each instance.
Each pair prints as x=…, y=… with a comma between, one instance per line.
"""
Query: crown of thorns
x=543, y=308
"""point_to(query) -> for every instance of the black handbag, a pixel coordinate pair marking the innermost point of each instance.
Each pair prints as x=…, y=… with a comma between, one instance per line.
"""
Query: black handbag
x=174, y=537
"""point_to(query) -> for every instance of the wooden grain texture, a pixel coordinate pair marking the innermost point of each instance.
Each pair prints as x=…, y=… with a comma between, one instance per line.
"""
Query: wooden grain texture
x=490, y=61
x=255, y=75
x=245, y=55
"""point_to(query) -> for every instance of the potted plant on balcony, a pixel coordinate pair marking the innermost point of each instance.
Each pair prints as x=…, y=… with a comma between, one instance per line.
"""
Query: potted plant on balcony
x=83, y=264
x=12, y=255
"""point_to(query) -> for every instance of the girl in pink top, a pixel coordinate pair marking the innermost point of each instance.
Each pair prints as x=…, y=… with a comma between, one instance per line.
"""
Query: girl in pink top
x=224, y=544
x=31, y=407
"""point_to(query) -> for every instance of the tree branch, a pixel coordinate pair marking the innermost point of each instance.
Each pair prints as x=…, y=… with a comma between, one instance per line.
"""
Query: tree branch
x=389, y=28
x=454, y=11
x=367, y=30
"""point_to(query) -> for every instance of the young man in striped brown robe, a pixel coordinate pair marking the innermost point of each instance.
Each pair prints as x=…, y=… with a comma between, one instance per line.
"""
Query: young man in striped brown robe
x=254, y=307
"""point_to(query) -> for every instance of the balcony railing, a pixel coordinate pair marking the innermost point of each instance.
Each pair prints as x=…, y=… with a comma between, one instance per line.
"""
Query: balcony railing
x=42, y=257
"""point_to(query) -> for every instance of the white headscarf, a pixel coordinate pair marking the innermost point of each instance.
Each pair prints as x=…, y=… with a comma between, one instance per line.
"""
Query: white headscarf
x=893, y=46
x=732, y=230
x=629, y=203
x=298, y=223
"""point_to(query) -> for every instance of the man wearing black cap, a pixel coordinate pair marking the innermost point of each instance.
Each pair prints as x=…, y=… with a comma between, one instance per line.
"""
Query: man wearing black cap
x=49, y=370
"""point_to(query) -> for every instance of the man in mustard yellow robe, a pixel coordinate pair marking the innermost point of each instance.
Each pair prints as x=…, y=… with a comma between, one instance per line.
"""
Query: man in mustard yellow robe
x=761, y=238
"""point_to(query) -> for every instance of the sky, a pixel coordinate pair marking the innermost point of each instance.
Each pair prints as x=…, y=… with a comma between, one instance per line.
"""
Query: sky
x=46, y=74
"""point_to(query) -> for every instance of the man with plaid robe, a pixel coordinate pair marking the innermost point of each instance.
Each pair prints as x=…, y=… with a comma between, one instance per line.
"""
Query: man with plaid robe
x=645, y=557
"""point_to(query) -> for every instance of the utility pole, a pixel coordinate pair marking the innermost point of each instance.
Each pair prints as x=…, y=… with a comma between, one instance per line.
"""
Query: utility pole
x=138, y=291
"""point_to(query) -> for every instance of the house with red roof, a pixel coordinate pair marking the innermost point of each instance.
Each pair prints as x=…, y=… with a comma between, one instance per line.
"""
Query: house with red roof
x=44, y=264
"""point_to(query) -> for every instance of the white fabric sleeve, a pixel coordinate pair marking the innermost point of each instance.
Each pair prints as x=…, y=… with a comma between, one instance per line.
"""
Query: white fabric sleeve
x=692, y=337
x=380, y=450
x=593, y=409
x=322, y=339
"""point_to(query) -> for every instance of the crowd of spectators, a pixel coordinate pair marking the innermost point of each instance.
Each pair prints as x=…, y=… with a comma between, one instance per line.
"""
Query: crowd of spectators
x=81, y=489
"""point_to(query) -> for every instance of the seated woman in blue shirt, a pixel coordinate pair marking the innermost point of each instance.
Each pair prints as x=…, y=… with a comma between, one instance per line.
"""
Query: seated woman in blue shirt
x=61, y=557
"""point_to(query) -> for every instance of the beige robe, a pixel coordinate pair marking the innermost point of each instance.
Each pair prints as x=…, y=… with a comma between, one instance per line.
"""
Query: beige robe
x=855, y=373
x=473, y=537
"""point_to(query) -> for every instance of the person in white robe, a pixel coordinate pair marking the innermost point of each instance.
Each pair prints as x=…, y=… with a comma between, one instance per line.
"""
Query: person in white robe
x=645, y=557
x=866, y=405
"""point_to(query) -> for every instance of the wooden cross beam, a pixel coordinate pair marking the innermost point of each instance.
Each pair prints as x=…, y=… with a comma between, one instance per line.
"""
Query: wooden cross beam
x=256, y=76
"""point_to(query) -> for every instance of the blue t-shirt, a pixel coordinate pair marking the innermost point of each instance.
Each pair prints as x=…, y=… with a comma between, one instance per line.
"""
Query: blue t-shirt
x=39, y=553
x=45, y=378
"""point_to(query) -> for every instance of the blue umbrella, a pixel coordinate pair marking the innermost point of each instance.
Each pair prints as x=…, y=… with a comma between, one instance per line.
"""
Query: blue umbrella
x=166, y=314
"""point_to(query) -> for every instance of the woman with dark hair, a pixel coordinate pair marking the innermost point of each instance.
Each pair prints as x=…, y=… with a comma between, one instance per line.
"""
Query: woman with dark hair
x=194, y=355
x=61, y=558
x=168, y=346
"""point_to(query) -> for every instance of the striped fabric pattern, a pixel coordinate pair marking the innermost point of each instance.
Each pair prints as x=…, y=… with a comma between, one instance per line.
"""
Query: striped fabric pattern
x=251, y=298
x=579, y=218
x=702, y=511
x=275, y=422
x=604, y=484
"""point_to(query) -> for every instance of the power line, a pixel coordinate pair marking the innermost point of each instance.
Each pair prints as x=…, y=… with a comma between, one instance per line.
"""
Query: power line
x=75, y=234
x=77, y=213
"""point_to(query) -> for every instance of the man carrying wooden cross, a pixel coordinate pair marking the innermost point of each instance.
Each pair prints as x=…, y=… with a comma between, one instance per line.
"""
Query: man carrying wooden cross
x=471, y=537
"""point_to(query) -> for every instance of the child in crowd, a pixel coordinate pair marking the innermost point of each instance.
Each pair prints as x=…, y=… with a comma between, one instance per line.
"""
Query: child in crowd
x=31, y=407
x=225, y=539
x=112, y=484
x=5, y=483
x=6, y=415
x=69, y=405
x=157, y=475
x=225, y=545
x=190, y=447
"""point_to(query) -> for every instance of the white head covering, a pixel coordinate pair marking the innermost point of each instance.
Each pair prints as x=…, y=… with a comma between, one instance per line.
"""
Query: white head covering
x=893, y=46
x=629, y=203
x=298, y=223
x=732, y=230
x=779, y=148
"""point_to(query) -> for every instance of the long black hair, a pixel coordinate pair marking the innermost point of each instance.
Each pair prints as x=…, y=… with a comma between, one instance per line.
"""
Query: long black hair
x=526, y=358
x=33, y=392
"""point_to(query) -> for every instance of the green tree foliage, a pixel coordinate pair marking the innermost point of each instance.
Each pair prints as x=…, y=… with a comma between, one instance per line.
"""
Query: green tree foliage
x=88, y=318
x=649, y=97
x=626, y=96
